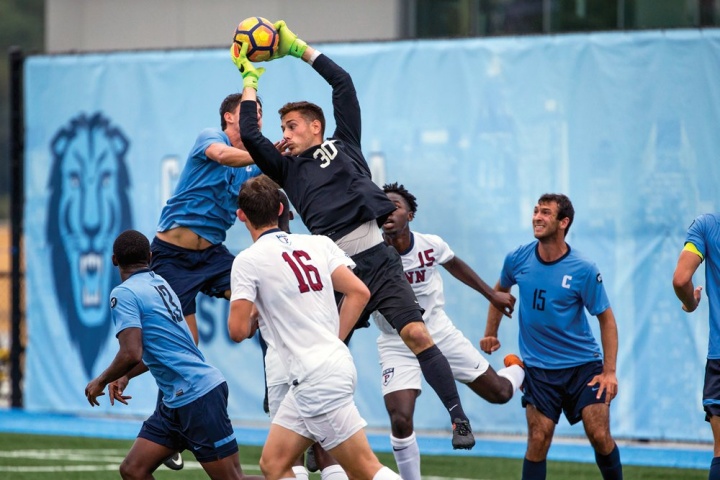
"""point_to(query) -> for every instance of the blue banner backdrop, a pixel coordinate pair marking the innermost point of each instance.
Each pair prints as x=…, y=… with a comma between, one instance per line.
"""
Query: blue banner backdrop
x=624, y=123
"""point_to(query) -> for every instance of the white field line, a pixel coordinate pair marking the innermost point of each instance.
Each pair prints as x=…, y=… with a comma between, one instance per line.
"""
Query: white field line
x=111, y=459
x=100, y=457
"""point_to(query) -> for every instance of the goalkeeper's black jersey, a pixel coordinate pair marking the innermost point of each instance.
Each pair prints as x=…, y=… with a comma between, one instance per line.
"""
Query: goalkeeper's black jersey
x=329, y=184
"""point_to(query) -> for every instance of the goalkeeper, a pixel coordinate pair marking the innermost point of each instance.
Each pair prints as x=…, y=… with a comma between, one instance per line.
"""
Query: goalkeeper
x=329, y=183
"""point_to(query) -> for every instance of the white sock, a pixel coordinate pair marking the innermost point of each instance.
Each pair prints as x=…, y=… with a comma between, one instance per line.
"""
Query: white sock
x=514, y=373
x=386, y=474
x=300, y=472
x=407, y=456
x=333, y=472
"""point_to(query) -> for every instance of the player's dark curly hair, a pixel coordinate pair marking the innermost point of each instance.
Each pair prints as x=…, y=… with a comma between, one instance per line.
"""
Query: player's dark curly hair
x=403, y=192
x=229, y=104
x=309, y=112
x=260, y=200
x=565, y=206
x=131, y=248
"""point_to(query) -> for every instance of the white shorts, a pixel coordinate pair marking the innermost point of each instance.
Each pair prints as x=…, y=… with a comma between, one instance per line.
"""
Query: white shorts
x=276, y=393
x=401, y=370
x=329, y=429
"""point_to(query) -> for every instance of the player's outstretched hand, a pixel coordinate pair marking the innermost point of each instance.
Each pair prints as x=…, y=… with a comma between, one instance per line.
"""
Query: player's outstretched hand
x=93, y=390
x=289, y=42
x=250, y=74
x=489, y=344
x=116, y=389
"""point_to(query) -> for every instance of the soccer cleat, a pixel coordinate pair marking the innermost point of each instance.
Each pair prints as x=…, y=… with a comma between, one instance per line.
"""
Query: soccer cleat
x=463, y=438
x=512, y=359
x=310, y=461
x=174, y=461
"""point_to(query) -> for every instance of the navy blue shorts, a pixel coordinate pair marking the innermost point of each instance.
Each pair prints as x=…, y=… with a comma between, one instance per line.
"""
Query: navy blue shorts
x=191, y=271
x=564, y=389
x=381, y=269
x=201, y=426
x=711, y=389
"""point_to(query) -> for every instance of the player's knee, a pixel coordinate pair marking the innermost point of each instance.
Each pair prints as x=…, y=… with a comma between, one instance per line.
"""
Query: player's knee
x=502, y=394
x=401, y=424
x=128, y=471
x=601, y=441
x=266, y=467
x=416, y=337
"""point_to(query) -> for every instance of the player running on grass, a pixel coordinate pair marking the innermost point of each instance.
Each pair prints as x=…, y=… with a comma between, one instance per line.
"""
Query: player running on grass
x=291, y=280
x=329, y=183
x=421, y=255
x=154, y=336
x=565, y=369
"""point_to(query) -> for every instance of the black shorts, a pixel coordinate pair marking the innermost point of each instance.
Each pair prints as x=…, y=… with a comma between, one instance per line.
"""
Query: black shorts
x=564, y=389
x=381, y=269
x=191, y=271
x=202, y=426
x=711, y=389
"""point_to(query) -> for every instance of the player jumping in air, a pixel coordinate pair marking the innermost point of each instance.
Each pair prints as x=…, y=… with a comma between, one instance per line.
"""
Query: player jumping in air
x=329, y=183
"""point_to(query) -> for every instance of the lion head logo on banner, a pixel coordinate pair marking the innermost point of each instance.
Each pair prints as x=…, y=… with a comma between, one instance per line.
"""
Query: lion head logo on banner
x=89, y=207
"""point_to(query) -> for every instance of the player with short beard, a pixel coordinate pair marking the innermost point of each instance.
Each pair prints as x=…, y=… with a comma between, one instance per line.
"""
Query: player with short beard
x=565, y=369
x=330, y=185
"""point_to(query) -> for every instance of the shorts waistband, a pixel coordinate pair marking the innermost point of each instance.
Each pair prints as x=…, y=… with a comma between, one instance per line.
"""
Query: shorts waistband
x=171, y=246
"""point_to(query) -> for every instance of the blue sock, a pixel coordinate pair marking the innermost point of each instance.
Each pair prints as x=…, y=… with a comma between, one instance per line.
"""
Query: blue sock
x=610, y=466
x=438, y=374
x=534, y=470
x=714, y=469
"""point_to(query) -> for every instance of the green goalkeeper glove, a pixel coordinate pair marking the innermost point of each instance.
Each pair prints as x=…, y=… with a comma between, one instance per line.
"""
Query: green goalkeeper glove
x=250, y=74
x=289, y=43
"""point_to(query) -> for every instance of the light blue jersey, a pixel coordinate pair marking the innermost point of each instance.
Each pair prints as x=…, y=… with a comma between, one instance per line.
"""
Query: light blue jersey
x=147, y=302
x=205, y=200
x=554, y=330
x=704, y=234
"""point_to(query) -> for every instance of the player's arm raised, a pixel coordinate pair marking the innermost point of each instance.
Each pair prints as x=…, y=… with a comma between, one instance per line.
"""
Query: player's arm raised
x=261, y=149
x=503, y=301
x=229, y=156
x=489, y=343
x=356, y=297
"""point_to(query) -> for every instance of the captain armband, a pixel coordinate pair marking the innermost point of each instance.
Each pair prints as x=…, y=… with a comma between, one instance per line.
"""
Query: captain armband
x=690, y=247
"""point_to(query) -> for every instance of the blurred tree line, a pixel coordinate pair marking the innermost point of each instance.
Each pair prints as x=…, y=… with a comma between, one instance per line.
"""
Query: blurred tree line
x=22, y=24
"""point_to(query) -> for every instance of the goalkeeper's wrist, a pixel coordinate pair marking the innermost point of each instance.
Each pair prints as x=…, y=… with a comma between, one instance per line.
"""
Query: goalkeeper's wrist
x=297, y=48
x=250, y=81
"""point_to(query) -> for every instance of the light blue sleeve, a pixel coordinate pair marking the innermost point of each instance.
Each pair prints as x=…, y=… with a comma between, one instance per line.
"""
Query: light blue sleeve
x=124, y=309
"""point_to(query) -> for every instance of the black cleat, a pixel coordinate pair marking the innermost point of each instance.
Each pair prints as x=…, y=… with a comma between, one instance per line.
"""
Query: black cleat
x=174, y=461
x=310, y=461
x=463, y=438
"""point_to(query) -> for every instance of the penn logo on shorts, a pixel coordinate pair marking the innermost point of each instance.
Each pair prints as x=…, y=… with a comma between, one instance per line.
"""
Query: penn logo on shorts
x=387, y=375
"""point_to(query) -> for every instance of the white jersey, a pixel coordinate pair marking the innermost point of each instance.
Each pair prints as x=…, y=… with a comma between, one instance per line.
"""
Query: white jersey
x=420, y=263
x=288, y=277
